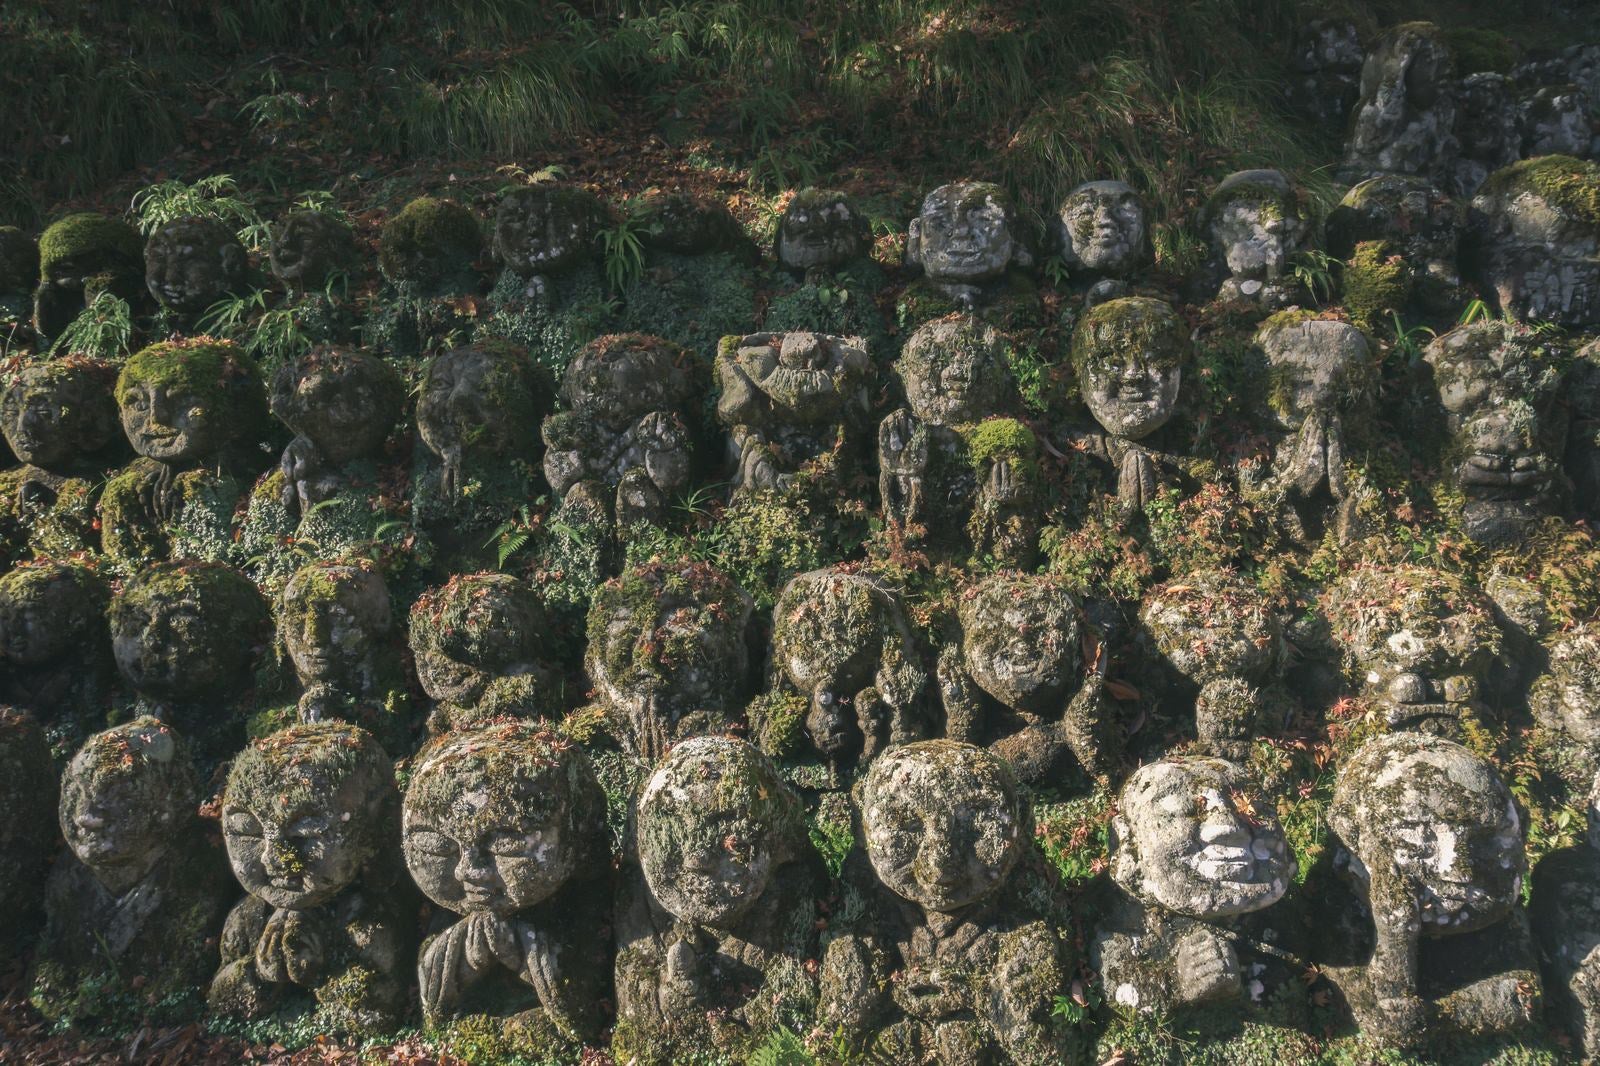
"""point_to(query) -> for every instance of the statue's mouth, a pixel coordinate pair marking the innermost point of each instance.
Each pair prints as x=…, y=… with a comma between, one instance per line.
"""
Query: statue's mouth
x=1224, y=862
x=1503, y=476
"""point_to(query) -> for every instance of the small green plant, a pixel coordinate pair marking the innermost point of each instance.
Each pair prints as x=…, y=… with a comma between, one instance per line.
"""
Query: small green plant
x=1074, y=1009
x=834, y=842
x=103, y=330
x=783, y=1047
x=276, y=109
x=623, y=248
x=1473, y=311
x=1409, y=340
x=214, y=197
x=512, y=535
x=1314, y=270
x=273, y=336
x=322, y=202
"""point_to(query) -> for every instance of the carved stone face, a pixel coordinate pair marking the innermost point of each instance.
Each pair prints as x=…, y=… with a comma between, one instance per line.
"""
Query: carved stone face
x=304, y=810
x=1186, y=838
x=1020, y=639
x=620, y=377
x=48, y=612
x=1102, y=228
x=543, y=228
x=344, y=402
x=497, y=820
x=124, y=799
x=472, y=630
x=477, y=400
x=1440, y=818
x=192, y=263
x=943, y=822
x=808, y=377
x=956, y=370
x=1536, y=235
x=1317, y=366
x=1409, y=212
x=1129, y=355
x=52, y=413
x=821, y=228
x=1254, y=224
x=714, y=823
x=182, y=401
x=333, y=618
x=309, y=248
x=1568, y=697
x=187, y=630
x=967, y=233
x=1212, y=624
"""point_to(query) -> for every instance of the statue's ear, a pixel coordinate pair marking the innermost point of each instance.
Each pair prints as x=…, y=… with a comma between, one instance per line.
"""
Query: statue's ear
x=914, y=243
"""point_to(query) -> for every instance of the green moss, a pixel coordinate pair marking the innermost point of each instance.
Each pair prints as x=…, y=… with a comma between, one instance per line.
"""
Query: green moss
x=692, y=300
x=1478, y=50
x=87, y=238
x=214, y=373
x=1109, y=331
x=1571, y=185
x=1377, y=283
x=230, y=601
x=1002, y=438
x=777, y=719
x=429, y=241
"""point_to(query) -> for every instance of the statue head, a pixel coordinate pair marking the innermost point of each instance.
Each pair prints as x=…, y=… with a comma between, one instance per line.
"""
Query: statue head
x=480, y=400
x=546, y=227
x=309, y=248
x=333, y=618
x=80, y=247
x=1213, y=624
x=689, y=224
x=188, y=631
x=957, y=369
x=713, y=824
x=1406, y=211
x=621, y=377
x=1102, y=228
x=430, y=244
x=51, y=613
x=1440, y=821
x=127, y=798
x=305, y=810
x=1129, y=355
x=1189, y=838
x=1534, y=240
x=967, y=233
x=1021, y=639
x=55, y=412
x=1567, y=698
x=497, y=819
x=821, y=229
x=1253, y=222
x=944, y=823
x=473, y=629
x=1316, y=366
x=185, y=400
x=344, y=401
x=191, y=263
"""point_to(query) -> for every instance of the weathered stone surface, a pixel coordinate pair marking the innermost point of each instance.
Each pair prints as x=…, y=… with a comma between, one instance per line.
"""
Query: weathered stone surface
x=1409, y=218
x=81, y=256
x=1534, y=240
x=1253, y=224
x=1565, y=910
x=1102, y=231
x=1404, y=122
x=479, y=407
x=546, y=227
x=54, y=644
x=965, y=238
x=191, y=263
x=342, y=406
x=429, y=246
x=57, y=414
x=820, y=231
x=1582, y=461
x=1327, y=59
x=1567, y=698
x=310, y=249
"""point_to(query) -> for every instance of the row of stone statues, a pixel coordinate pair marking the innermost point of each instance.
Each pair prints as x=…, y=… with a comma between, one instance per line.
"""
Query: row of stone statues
x=955, y=948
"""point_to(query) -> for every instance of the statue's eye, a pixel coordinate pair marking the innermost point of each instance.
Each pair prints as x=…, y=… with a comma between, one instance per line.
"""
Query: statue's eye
x=242, y=823
x=428, y=842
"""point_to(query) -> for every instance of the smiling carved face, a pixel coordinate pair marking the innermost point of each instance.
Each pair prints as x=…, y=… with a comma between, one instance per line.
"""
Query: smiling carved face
x=965, y=234
x=123, y=797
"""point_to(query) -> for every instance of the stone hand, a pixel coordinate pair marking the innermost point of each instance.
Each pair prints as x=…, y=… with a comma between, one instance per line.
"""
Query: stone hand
x=290, y=949
x=1208, y=968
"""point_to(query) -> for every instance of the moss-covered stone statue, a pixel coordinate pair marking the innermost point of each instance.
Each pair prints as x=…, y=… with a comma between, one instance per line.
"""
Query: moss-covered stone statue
x=794, y=402
x=1431, y=842
x=1323, y=385
x=55, y=649
x=1404, y=216
x=336, y=622
x=1015, y=679
x=1193, y=853
x=427, y=252
x=80, y=257
x=824, y=249
x=342, y=405
x=28, y=831
x=1565, y=698
x=716, y=916
x=968, y=240
x=504, y=830
x=1216, y=635
x=1404, y=122
x=1101, y=231
x=668, y=654
x=1253, y=224
x=186, y=637
x=1415, y=640
x=480, y=643
x=1565, y=910
x=623, y=437
x=310, y=249
x=1326, y=64
x=957, y=958
x=1129, y=356
x=844, y=677
x=192, y=409
x=1499, y=385
x=310, y=817
x=60, y=419
x=1533, y=241
x=19, y=273
x=135, y=905
x=191, y=263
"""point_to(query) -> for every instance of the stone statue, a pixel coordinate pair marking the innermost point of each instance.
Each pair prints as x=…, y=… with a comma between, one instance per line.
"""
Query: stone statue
x=1326, y=83
x=1582, y=461
x=624, y=436
x=1405, y=119
x=1016, y=681
x=55, y=649
x=1216, y=632
x=1566, y=698
x=28, y=832
x=189, y=408
x=842, y=643
x=1499, y=386
x=826, y=277
x=1533, y=240
x=716, y=918
x=1129, y=356
x=342, y=406
x=479, y=643
x=1253, y=223
x=821, y=230
x=667, y=654
x=504, y=828
x=969, y=242
x=1566, y=922
x=427, y=252
x=1488, y=127
x=1431, y=842
x=1401, y=215
x=80, y=257
x=791, y=401
x=957, y=960
x=191, y=263
x=310, y=249
x=1102, y=232
x=141, y=891
x=310, y=817
x=478, y=409
x=1192, y=853
x=1417, y=641
x=545, y=228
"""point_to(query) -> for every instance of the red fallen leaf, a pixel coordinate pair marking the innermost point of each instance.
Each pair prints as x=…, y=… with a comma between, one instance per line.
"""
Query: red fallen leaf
x=1121, y=690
